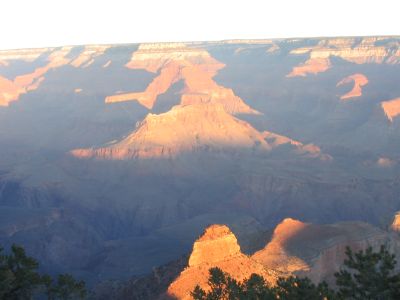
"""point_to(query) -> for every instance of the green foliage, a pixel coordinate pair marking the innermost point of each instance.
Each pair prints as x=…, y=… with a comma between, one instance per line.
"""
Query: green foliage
x=66, y=288
x=19, y=276
x=293, y=288
x=20, y=280
x=368, y=275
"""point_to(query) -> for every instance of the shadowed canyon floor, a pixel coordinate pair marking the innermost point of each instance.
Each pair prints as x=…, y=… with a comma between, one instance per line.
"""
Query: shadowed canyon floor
x=114, y=158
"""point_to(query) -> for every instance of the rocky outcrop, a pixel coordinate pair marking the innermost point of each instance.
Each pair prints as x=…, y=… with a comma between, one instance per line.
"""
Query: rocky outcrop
x=318, y=251
x=311, y=66
x=175, y=62
x=358, y=80
x=28, y=55
x=350, y=49
x=391, y=108
x=87, y=56
x=11, y=90
x=309, y=150
x=217, y=247
x=395, y=226
x=185, y=128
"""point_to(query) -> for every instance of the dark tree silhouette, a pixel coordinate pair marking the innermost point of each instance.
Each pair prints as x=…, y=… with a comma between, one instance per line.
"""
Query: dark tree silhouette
x=20, y=279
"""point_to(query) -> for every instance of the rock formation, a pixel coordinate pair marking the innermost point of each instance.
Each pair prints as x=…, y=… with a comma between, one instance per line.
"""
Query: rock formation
x=27, y=55
x=349, y=49
x=391, y=108
x=318, y=251
x=10, y=90
x=311, y=66
x=358, y=80
x=175, y=62
x=217, y=247
x=185, y=128
x=395, y=226
x=87, y=56
x=310, y=150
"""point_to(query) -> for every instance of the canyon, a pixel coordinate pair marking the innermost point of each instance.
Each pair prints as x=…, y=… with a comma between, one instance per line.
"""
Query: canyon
x=114, y=159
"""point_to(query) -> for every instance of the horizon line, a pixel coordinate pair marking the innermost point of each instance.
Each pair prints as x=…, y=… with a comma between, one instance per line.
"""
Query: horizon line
x=216, y=41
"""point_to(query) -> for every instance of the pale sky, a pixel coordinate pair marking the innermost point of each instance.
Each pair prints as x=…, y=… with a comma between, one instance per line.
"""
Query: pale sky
x=40, y=23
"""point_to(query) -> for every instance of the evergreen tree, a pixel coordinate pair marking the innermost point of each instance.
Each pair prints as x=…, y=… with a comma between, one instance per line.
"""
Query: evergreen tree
x=20, y=279
x=294, y=288
x=368, y=275
x=19, y=276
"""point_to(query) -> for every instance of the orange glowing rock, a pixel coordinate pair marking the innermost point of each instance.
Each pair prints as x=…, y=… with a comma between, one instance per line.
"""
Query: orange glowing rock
x=217, y=247
x=27, y=55
x=317, y=251
x=391, y=108
x=185, y=128
x=311, y=66
x=348, y=49
x=395, y=226
x=11, y=90
x=275, y=255
x=87, y=56
x=359, y=80
x=310, y=150
x=8, y=91
x=176, y=62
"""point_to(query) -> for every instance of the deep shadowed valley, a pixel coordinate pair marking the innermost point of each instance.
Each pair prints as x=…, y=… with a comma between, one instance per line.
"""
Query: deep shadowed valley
x=114, y=159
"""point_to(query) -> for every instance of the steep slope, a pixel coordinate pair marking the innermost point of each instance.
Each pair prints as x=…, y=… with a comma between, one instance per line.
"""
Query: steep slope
x=309, y=150
x=11, y=90
x=185, y=128
x=358, y=80
x=395, y=226
x=174, y=62
x=318, y=251
x=391, y=108
x=217, y=247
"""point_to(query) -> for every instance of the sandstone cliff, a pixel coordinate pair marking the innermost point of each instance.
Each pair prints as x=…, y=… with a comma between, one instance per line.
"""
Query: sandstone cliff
x=368, y=50
x=391, y=108
x=217, y=247
x=318, y=251
x=175, y=62
x=185, y=128
x=11, y=90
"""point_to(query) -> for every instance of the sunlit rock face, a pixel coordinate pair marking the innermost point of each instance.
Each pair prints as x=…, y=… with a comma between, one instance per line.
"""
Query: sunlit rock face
x=367, y=50
x=175, y=62
x=391, y=108
x=217, y=247
x=11, y=90
x=358, y=81
x=310, y=150
x=88, y=55
x=311, y=66
x=318, y=251
x=395, y=226
x=184, y=128
x=28, y=55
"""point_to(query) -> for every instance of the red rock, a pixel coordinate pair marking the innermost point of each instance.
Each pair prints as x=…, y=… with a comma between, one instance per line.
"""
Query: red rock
x=359, y=80
x=176, y=62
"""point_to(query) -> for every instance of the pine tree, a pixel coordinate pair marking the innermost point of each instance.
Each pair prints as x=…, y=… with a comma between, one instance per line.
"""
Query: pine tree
x=368, y=275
